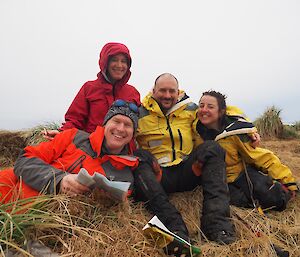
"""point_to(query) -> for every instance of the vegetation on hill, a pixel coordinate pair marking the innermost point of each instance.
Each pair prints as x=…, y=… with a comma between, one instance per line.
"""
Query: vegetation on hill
x=270, y=125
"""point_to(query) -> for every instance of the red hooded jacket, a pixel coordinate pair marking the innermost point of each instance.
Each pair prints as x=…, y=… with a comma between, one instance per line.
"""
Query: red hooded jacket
x=93, y=100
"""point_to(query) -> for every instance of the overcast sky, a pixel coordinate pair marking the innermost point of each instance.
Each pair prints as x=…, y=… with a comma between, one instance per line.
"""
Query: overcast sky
x=249, y=50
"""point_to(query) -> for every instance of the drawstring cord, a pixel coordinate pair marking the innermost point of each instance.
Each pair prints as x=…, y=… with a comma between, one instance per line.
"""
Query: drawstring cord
x=255, y=202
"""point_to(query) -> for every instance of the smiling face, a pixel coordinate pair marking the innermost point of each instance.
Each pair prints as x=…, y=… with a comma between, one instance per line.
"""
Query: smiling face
x=118, y=132
x=166, y=92
x=209, y=112
x=117, y=67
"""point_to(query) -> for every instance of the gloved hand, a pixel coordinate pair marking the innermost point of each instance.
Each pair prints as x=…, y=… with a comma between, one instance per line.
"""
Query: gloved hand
x=145, y=156
x=197, y=168
x=255, y=139
x=292, y=193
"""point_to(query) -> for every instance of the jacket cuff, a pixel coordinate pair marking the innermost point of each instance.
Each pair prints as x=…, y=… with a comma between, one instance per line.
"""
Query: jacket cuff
x=54, y=186
x=293, y=188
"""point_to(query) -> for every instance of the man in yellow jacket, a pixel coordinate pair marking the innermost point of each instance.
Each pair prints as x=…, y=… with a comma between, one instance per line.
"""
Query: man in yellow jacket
x=167, y=129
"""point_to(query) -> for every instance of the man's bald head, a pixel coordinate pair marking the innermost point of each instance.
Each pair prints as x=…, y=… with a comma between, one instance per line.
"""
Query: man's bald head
x=166, y=76
x=166, y=91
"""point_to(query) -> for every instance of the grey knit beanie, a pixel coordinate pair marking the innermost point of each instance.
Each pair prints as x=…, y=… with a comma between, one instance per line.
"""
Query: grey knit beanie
x=124, y=108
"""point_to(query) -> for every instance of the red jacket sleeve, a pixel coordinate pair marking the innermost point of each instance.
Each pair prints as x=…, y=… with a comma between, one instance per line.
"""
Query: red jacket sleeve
x=137, y=97
x=78, y=112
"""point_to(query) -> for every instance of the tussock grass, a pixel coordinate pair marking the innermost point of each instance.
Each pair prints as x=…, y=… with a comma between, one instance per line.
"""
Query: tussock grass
x=11, y=144
x=290, y=132
x=269, y=124
x=33, y=136
x=297, y=125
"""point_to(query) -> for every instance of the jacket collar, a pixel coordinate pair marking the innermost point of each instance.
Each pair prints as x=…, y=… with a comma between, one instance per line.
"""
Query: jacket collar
x=96, y=139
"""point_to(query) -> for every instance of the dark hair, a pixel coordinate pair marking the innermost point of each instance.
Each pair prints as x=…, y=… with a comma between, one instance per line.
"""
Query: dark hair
x=165, y=74
x=221, y=99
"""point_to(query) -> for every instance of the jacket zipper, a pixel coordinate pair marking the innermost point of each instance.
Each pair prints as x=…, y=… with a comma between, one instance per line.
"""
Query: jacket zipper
x=75, y=164
x=172, y=138
x=180, y=139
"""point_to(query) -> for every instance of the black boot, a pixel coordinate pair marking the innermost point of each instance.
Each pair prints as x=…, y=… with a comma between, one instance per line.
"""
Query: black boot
x=221, y=237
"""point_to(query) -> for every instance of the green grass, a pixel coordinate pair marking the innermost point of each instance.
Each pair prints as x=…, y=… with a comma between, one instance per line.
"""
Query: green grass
x=290, y=132
x=34, y=136
x=297, y=125
x=49, y=215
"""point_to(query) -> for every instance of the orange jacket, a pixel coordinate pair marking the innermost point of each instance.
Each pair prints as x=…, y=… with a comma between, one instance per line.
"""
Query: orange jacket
x=42, y=167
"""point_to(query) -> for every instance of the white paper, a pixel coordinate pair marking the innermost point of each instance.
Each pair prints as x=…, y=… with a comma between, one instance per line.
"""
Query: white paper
x=155, y=221
x=117, y=189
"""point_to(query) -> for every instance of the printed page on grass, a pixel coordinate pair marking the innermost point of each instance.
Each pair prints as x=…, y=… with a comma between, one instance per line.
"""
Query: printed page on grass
x=116, y=189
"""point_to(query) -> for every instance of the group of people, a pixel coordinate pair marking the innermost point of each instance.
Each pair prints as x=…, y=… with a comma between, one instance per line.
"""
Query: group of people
x=180, y=145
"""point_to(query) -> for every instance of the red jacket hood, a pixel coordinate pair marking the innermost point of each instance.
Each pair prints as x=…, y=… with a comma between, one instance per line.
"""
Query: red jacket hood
x=111, y=49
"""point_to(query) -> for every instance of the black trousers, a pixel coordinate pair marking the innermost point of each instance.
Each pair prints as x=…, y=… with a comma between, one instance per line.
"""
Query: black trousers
x=179, y=178
x=261, y=188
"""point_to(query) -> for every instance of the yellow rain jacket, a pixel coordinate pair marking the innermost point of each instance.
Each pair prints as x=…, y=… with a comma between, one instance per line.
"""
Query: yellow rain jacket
x=170, y=137
x=237, y=144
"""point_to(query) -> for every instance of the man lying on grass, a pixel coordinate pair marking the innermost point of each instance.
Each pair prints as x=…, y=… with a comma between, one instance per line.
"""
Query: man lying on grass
x=52, y=167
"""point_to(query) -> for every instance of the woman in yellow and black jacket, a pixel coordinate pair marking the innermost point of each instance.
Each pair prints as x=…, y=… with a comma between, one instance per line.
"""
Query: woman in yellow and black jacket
x=254, y=175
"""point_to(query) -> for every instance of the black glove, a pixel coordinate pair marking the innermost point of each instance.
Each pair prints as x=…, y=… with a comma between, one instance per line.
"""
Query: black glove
x=145, y=156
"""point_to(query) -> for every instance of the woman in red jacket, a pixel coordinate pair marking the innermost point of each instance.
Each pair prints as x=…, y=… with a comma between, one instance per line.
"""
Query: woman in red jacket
x=93, y=100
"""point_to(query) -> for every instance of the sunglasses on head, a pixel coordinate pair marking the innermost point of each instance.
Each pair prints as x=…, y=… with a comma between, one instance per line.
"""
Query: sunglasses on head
x=121, y=103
